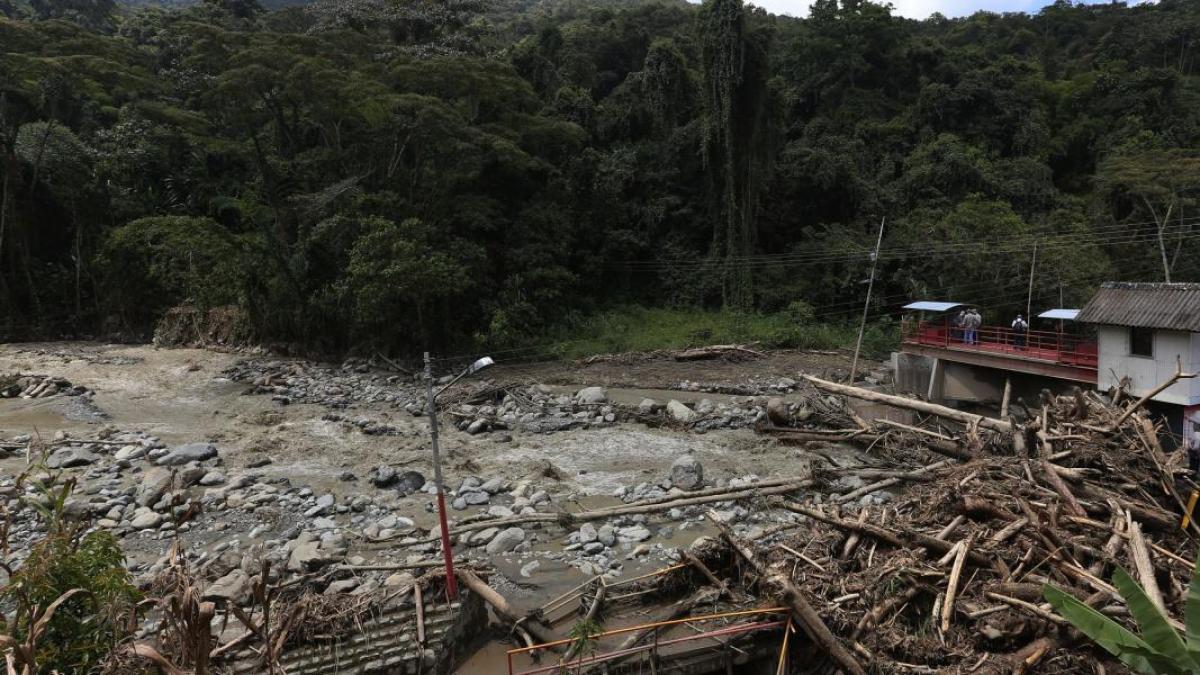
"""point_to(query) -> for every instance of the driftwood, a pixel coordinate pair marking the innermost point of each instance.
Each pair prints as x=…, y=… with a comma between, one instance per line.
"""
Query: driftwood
x=802, y=611
x=651, y=506
x=500, y=605
x=912, y=404
x=714, y=351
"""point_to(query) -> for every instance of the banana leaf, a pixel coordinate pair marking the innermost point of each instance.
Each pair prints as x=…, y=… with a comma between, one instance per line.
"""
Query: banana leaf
x=1157, y=632
x=1112, y=636
x=1192, y=611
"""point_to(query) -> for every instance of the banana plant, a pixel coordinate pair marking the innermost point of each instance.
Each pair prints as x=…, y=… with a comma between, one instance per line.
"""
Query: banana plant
x=1159, y=649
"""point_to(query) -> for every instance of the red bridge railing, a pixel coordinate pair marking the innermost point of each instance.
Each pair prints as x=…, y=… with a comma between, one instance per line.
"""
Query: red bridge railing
x=1034, y=345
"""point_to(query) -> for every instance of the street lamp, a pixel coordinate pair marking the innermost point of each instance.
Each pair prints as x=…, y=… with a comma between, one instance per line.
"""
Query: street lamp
x=431, y=410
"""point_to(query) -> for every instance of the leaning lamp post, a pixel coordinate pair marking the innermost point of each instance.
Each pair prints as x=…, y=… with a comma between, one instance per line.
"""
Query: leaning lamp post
x=431, y=411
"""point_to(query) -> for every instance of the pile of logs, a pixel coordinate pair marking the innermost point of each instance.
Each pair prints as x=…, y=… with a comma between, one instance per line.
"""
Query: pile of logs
x=33, y=386
x=947, y=575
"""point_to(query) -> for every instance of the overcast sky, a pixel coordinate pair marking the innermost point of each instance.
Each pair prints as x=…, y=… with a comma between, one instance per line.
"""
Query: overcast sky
x=920, y=9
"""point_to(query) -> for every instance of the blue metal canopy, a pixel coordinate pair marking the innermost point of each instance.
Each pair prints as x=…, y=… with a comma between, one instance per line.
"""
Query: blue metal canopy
x=1061, y=314
x=931, y=306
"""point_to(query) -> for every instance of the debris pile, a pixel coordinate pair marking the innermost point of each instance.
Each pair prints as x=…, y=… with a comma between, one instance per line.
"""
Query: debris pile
x=946, y=574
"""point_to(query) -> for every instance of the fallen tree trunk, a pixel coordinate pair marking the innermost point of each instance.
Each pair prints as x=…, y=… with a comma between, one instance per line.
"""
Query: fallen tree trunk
x=500, y=605
x=904, y=538
x=865, y=438
x=912, y=404
x=805, y=615
x=653, y=506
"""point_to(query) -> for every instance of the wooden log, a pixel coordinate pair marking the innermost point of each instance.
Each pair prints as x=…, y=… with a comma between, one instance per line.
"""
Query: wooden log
x=952, y=584
x=855, y=537
x=1144, y=565
x=1061, y=488
x=708, y=573
x=651, y=506
x=912, y=404
x=902, y=539
x=500, y=605
x=802, y=611
x=1028, y=607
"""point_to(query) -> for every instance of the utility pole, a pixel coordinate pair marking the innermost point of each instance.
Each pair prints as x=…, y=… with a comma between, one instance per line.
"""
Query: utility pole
x=1029, y=298
x=862, y=326
x=447, y=551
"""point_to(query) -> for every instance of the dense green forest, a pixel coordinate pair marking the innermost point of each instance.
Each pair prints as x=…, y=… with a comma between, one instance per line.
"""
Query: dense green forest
x=397, y=174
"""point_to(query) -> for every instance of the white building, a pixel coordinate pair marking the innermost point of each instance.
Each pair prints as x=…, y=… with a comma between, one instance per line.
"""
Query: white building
x=1144, y=331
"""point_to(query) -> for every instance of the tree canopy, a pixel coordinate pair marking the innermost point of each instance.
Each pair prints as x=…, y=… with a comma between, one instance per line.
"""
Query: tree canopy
x=400, y=174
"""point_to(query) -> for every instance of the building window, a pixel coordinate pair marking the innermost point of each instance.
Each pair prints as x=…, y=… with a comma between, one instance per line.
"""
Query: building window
x=1141, y=342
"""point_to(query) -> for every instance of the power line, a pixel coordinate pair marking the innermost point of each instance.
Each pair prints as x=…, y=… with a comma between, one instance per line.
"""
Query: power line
x=1012, y=246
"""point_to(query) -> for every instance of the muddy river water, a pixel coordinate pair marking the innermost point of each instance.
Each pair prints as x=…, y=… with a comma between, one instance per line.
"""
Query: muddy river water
x=182, y=396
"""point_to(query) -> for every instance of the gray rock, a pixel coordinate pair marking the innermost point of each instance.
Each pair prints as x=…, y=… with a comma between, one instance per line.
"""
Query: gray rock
x=475, y=498
x=130, y=453
x=687, y=473
x=382, y=477
x=67, y=458
x=606, y=535
x=482, y=536
x=506, y=541
x=633, y=533
x=591, y=395
x=146, y=520
x=190, y=452
x=399, y=579
x=493, y=486
x=777, y=411
x=477, y=427
x=588, y=534
x=649, y=406
x=340, y=587
x=680, y=412
x=233, y=587
x=307, y=557
x=410, y=481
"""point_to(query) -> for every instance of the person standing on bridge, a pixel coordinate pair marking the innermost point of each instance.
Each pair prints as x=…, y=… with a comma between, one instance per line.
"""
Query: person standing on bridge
x=1019, y=329
x=959, y=326
x=971, y=323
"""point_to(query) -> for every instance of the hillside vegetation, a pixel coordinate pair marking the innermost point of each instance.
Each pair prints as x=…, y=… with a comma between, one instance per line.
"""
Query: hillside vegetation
x=404, y=174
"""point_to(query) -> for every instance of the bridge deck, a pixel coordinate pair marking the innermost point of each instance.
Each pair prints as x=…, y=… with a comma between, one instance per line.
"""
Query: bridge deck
x=1044, y=353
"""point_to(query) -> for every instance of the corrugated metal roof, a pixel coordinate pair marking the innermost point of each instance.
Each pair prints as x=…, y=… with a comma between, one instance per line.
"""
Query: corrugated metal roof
x=1166, y=306
x=1061, y=314
x=930, y=306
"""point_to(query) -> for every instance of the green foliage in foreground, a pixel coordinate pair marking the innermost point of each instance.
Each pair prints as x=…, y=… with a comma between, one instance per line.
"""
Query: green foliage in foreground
x=71, y=635
x=1160, y=649
x=636, y=329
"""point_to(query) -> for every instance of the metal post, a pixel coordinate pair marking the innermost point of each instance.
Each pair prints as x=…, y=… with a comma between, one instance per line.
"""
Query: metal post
x=1029, y=299
x=447, y=551
x=862, y=327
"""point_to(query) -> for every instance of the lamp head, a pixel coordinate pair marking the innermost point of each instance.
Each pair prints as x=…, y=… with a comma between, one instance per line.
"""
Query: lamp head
x=485, y=362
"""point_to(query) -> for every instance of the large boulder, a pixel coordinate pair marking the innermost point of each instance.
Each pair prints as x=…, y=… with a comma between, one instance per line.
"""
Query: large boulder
x=680, y=412
x=591, y=395
x=308, y=557
x=190, y=452
x=687, y=473
x=382, y=476
x=777, y=411
x=146, y=520
x=233, y=587
x=506, y=541
x=410, y=481
x=67, y=458
x=153, y=486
